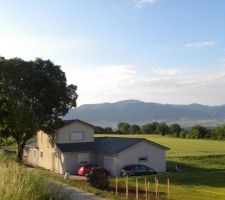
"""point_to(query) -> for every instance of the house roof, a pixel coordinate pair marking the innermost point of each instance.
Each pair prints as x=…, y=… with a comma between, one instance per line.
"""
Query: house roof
x=114, y=144
x=110, y=145
x=71, y=147
x=68, y=122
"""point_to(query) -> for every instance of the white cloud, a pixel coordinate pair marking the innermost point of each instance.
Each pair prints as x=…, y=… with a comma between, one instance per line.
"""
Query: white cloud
x=200, y=44
x=141, y=3
x=177, y=85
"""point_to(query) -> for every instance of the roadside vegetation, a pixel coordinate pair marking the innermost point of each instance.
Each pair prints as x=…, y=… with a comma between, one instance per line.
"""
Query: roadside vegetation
x=17, y=183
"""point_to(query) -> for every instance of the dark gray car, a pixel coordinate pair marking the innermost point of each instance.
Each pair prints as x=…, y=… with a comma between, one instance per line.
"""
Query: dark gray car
x=136, y=170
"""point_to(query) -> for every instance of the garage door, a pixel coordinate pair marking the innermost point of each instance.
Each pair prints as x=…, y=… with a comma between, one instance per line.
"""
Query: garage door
x=109, y=164
x=83, y=157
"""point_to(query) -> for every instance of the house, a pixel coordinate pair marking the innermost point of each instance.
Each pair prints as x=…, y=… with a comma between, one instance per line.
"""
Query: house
x=75, y=143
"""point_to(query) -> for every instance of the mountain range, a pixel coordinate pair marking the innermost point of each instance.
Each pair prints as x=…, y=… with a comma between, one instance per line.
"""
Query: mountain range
x=139, y=112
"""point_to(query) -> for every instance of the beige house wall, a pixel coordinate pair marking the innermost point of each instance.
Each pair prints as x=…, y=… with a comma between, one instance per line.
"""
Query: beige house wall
x=64, y=133
x=155, y=156
x=50, y=157
x=46, y=151
x=31, y=155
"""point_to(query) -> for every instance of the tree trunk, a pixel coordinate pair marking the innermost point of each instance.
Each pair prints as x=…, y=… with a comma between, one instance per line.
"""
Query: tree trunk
x=20, y=148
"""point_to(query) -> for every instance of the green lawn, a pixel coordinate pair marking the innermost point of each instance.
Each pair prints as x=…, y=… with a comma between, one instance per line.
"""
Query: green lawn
x=203, y=177
x=184, y=147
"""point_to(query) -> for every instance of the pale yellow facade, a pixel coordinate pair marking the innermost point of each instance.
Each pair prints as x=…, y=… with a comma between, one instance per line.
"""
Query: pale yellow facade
x=44, y=155
x=49, y=157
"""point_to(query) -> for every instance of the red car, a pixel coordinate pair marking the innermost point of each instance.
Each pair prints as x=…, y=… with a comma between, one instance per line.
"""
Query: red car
x=85, y=170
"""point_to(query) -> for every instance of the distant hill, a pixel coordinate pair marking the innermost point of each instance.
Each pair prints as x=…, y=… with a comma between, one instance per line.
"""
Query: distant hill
x=138, y=112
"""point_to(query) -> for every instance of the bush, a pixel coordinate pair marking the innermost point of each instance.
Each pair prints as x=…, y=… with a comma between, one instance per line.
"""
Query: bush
x=98, y=179
x=198, y=132
x=183, y=134
x=219, y=133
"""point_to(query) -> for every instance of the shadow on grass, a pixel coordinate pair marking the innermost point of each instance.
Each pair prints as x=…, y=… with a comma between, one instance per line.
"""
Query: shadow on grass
x=197, y=171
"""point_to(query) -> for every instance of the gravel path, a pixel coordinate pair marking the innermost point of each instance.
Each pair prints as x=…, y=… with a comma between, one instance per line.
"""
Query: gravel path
x=78, y=194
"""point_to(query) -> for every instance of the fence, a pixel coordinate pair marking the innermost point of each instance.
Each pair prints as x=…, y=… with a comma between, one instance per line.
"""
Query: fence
x=146, y=189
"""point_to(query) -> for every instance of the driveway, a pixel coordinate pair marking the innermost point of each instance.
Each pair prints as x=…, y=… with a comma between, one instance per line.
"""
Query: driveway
x=78, y=194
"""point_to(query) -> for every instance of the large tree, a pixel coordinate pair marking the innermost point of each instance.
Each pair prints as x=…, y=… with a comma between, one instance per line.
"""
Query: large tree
x=34, y=95
x=175, y=129
x=198, y=131
x=123, y=127
x=149, y=128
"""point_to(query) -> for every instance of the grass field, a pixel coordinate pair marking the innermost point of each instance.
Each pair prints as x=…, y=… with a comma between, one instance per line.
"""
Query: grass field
x=203, y=177
x=184, y=147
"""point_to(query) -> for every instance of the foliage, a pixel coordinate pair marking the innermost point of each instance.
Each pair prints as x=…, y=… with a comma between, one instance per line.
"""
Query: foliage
x=108, y=130
x=163, y=129
x=219, y=133
x=149, y=128
x=175, y=129
x=135, y=129
x=124, y=127
x=197, y=132
x=99, y=130
x=33, y=96
x=182, y=134
x=98, y=179
x=17, y=183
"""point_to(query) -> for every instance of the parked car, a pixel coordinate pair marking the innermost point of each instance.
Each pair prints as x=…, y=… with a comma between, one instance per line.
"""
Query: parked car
x=85, y=170
x=136, y=169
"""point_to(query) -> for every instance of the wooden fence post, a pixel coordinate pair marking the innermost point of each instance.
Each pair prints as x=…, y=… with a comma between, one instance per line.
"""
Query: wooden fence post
x=168, y=188
x=136, y=188
x=146, y=192
x=127, y=187
x=156, y=188
x=149, y=192
x=116, y=186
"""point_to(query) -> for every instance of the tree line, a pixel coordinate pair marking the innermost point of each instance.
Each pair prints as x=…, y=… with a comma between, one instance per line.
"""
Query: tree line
x=161, y=128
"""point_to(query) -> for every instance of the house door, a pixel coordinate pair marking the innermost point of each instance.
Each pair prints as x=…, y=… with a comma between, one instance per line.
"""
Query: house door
x=109, y=164
x=83, y=157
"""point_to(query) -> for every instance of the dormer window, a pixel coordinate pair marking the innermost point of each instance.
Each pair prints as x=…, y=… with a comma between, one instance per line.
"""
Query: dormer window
x=76, y=136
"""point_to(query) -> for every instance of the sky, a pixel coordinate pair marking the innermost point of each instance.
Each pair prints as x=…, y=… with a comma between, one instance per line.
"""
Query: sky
x=165, y=51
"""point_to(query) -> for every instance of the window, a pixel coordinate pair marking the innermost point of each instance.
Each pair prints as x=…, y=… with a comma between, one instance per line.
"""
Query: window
x=143, y=159
x=76, y=136
x=41, y=154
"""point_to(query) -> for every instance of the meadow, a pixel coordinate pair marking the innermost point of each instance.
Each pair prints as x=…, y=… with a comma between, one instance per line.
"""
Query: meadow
x=203, y=177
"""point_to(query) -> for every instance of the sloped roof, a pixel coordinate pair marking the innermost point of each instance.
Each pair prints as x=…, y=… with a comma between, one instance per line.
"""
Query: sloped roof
x=73, y=147
x=114, y=144
x=109, y=145
x=68, y=122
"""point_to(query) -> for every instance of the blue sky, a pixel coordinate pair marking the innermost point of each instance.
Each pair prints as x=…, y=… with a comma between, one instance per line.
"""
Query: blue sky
x=167, y=51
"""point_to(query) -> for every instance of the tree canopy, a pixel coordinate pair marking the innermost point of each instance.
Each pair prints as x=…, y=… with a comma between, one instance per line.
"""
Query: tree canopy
x=124, y=127
x=34, y=95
